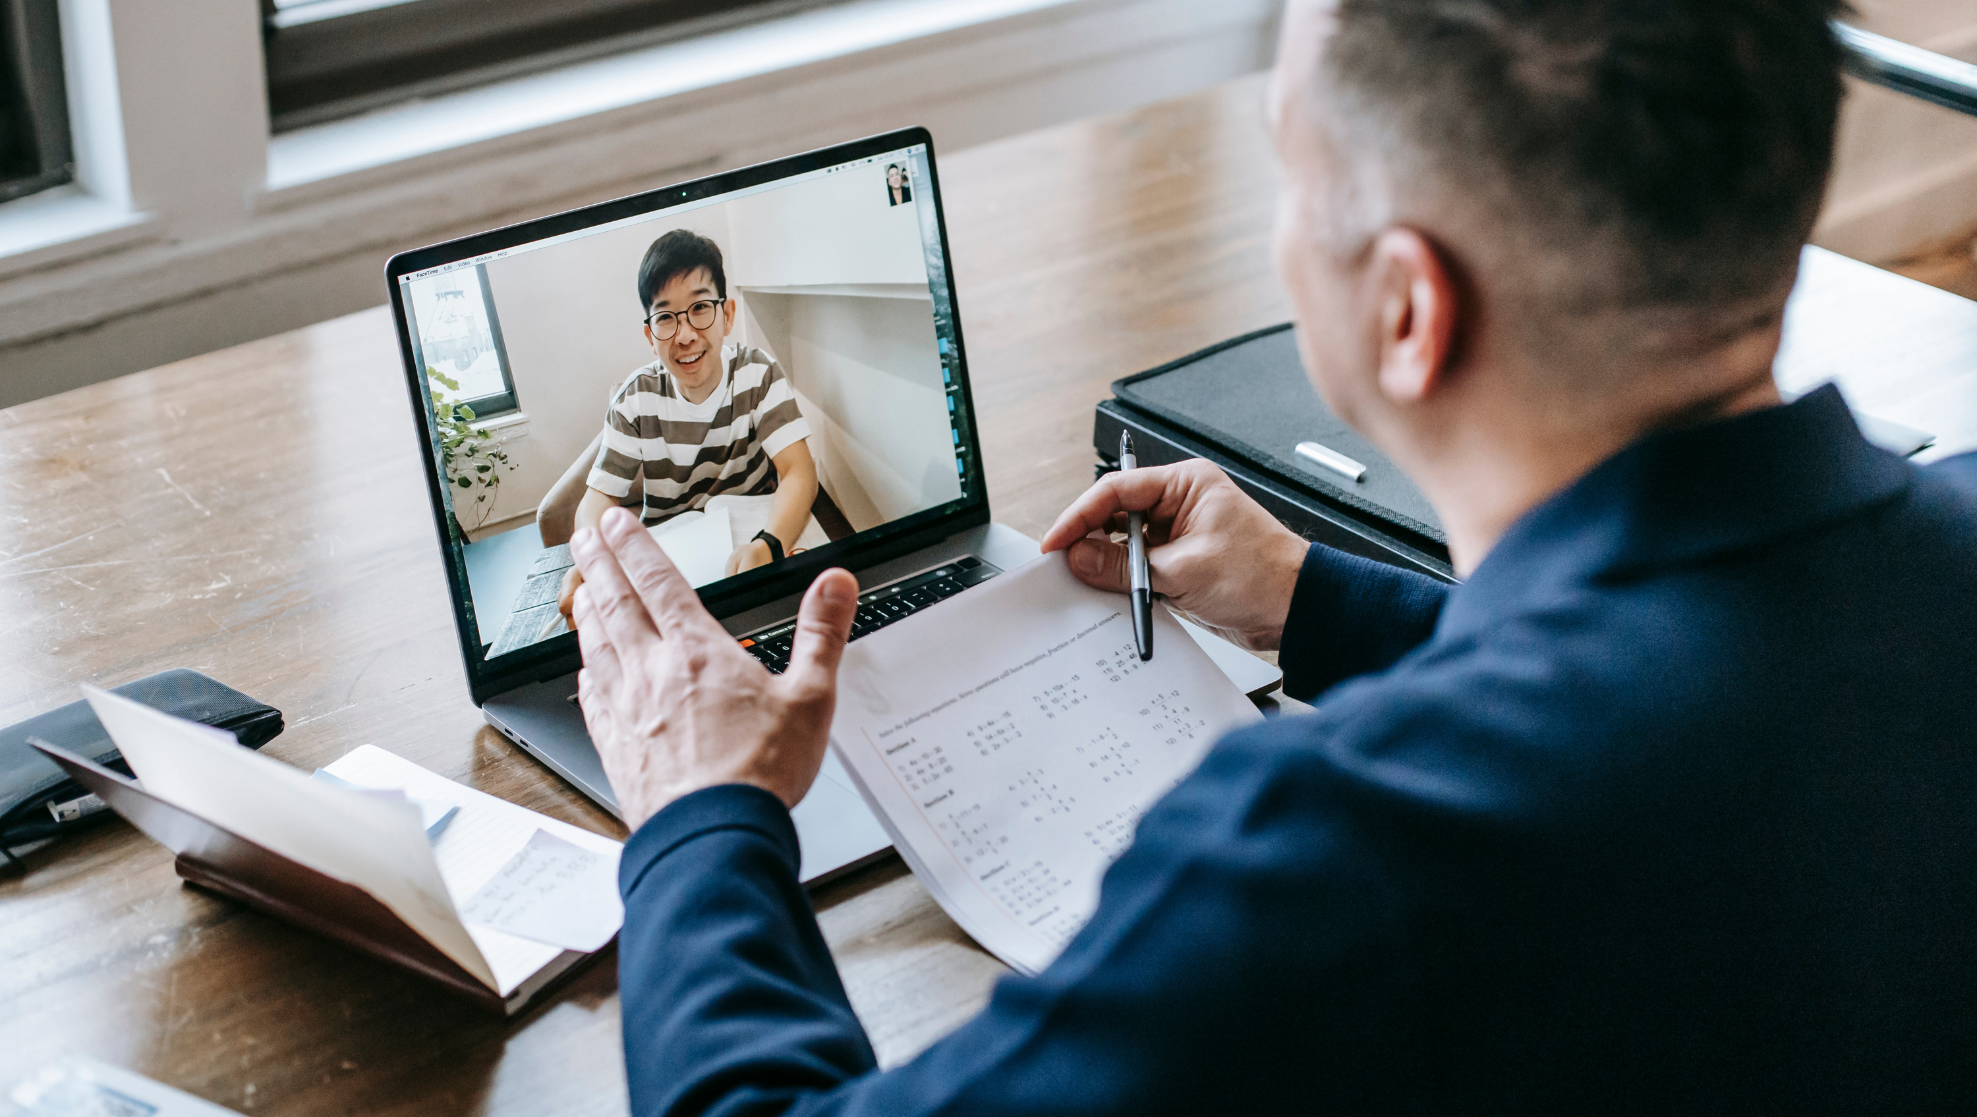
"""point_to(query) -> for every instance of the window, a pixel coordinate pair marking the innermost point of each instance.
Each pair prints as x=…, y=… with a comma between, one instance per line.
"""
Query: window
x=457, y=334
x=333, y=58
x=34, y=115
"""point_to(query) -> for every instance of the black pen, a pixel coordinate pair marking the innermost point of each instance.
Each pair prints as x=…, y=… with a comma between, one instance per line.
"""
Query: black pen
x=1142, y=578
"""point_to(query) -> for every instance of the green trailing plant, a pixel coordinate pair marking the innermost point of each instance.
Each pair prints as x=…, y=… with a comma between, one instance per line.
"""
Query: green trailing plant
x=474, y=458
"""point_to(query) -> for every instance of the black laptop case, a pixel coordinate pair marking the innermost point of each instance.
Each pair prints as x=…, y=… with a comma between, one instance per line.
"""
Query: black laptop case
x=1245, y=404
x=30, y=782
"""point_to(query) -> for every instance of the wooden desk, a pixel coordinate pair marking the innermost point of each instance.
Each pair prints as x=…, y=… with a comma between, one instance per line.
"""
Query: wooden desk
x=259, y=514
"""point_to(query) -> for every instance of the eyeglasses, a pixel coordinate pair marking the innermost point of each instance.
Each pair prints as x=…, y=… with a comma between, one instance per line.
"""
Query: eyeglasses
x=665, y=323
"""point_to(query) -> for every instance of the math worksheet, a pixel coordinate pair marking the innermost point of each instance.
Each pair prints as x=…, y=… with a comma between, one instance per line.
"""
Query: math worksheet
x=1010, y=738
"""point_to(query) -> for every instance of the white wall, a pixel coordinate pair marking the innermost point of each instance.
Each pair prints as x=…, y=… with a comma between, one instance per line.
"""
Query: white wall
x=207, y=232
x=838, y=229
x=834, y=279
x=868, y=377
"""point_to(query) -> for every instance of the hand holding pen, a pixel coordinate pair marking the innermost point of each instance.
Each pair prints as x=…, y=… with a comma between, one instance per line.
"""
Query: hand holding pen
x=1213, y=554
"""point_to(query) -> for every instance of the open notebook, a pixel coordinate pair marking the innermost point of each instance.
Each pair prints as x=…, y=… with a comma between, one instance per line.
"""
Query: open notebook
x=1010, y=738
x=497, y=905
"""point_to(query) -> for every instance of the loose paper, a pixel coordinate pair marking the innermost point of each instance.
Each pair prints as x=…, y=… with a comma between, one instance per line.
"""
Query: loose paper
x=484, y=836
x=1010, y=738
x=699, y=543
x=433, y=814
x=748, y=515
x=554, y=892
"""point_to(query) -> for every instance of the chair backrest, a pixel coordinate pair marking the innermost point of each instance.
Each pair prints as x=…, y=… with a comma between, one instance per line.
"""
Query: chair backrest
x=556, y=516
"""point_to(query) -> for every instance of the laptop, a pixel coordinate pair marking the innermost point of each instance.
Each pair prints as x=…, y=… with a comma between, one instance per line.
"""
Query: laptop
x=767, y=365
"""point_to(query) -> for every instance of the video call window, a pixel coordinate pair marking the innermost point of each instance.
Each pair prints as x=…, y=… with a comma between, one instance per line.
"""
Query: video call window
x=755, y=375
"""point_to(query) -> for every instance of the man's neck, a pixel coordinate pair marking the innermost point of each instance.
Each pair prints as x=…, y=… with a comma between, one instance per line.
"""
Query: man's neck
x=1487, y=472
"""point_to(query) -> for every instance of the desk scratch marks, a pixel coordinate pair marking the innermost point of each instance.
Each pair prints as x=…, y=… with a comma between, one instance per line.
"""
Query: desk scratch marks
x=180, y=490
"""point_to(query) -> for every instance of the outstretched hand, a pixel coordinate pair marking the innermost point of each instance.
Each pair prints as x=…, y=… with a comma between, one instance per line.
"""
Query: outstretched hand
x=673, y=703
x=1216, y=554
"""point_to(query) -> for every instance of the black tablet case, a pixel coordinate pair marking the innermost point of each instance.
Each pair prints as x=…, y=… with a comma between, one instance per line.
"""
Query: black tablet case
x=1249, y=397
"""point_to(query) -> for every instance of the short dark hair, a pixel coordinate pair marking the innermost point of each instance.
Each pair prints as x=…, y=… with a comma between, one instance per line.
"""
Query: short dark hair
x=1689, y=140
x=676, y=254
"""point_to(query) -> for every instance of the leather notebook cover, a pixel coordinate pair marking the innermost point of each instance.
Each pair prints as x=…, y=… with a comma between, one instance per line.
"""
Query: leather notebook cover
x=1249, y=398
x=217, y=859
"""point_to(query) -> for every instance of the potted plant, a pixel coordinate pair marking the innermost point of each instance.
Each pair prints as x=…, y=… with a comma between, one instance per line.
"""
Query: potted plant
x=473, y=457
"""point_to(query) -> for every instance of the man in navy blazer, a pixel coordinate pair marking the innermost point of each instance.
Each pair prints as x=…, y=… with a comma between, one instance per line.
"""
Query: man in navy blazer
x=1670, y=806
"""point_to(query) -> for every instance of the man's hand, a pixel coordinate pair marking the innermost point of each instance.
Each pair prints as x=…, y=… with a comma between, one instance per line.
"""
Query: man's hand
x=673, y=703
x=567, y=600
x=1214, y=552
x=589, y=511
x=748, y=556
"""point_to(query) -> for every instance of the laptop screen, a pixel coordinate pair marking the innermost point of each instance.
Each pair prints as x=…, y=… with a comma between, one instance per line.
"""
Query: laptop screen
x=762, y=373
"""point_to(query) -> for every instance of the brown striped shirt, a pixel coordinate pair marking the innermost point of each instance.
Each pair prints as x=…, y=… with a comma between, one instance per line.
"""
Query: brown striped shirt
x=681, y=454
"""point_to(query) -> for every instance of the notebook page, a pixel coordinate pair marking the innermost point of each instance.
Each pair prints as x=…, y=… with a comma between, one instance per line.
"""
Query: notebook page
x=1010, y=738
x=378, y=845
x=698, y=544
x=483, y=837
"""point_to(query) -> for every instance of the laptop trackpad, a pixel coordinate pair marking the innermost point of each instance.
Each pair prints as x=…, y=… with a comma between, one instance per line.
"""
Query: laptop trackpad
x=833, y=823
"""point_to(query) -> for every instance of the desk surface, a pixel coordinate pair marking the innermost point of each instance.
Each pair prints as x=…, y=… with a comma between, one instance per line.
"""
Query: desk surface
x=259, y=514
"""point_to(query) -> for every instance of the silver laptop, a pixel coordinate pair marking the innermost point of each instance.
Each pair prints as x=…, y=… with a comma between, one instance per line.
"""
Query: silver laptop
x=767, y=365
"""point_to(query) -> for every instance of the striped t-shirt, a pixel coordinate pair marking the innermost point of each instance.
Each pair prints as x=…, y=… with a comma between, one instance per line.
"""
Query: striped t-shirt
x=685, y=454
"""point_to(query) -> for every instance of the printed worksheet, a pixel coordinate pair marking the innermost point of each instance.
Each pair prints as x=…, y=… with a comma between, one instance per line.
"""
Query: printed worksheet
x=1010, y=738
x=487, y=836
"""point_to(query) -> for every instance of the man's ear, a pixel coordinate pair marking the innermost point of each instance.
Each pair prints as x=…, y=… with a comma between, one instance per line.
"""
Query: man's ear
x=652, y=341
x=728, y=316
x=1419, y=312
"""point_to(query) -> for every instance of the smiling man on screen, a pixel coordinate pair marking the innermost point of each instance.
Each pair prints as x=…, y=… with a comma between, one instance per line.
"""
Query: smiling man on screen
x=705, y=419
x=1667, y=808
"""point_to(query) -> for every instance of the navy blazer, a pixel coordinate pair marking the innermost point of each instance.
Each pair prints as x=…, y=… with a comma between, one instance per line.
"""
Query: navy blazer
x=1672, y=807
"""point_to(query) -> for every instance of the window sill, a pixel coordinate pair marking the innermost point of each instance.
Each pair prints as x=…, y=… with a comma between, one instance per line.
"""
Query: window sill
x=64, y=224
x=507, y=426
x=377, y=144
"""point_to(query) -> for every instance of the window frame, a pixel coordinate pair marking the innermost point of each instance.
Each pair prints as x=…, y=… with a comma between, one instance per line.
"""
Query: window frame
x=31, y=61
x=328, y=59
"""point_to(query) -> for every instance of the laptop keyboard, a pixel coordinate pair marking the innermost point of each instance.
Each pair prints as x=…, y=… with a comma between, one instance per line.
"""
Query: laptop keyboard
x=876, y=608
x=880, y=607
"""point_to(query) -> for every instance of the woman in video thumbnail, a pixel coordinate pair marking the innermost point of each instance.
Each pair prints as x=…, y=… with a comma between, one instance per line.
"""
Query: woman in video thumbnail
x=897, y=190
x=704, y=419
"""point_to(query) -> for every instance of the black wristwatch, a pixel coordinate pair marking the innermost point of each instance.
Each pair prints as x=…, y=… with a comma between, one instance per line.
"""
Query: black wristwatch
x=775, y=545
